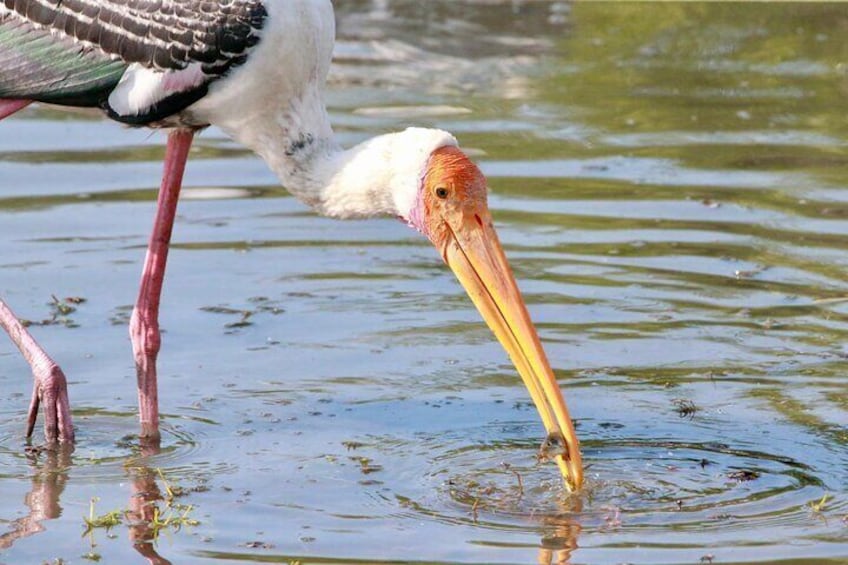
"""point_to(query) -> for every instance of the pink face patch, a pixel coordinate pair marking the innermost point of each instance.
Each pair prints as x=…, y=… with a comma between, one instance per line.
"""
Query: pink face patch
x=416, y=218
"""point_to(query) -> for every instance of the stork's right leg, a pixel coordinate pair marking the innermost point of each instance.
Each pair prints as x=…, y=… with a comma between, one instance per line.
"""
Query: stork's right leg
x=9, y=107
x=144, y=324
x=50, y=389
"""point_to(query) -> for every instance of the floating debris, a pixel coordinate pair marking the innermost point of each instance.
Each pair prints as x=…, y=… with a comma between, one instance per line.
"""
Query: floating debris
x=684, y=407
x=60, y=310
x=258, y=545
x=744, y=475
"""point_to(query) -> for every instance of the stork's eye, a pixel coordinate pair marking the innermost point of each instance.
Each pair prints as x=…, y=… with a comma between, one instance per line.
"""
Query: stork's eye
x=442, y=192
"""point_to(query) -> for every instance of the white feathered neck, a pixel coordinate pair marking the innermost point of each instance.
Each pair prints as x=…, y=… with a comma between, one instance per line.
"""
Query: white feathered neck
x=274, y=104
x=380, y=176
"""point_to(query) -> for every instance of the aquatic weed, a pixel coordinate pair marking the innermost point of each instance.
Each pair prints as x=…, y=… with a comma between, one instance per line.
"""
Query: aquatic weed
x=173, y=517
x=817, y=508
x=685, y=408
x=108, y=520
x=92, y=522
x=60, y=311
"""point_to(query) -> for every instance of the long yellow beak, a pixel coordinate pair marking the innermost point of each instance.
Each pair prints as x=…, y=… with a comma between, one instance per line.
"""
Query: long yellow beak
x=474, y=253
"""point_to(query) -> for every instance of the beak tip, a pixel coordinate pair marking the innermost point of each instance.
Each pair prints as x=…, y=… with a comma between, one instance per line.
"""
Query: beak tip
x=572, y=473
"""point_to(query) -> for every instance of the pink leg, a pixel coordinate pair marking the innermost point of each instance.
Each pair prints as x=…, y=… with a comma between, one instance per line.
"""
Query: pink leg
x=50, y=387
x=144, y=324
x=9, y=107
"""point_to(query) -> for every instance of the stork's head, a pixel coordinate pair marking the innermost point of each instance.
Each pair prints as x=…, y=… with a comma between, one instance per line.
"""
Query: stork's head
x=449, y=207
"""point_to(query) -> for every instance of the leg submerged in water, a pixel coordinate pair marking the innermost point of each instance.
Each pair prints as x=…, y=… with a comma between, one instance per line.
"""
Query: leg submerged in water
x=50, y=388
x=144, y=324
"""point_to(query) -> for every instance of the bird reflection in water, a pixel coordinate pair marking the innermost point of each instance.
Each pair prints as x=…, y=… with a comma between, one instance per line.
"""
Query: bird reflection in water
x=148, y=503
x=144, y=507
x=560, y=542
x=495, y=503
x=48, y=481
x=51, y=467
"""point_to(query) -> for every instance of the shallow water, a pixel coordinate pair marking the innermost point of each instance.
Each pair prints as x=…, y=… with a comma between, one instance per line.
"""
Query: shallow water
x=669, y=182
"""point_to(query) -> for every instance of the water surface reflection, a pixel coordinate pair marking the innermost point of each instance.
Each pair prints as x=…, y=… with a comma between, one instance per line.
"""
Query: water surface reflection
x=669, y=182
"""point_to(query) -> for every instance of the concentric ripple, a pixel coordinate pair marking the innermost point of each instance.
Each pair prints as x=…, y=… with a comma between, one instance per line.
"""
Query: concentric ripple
x=107, y=443
x=698, y=484
x=643, y=483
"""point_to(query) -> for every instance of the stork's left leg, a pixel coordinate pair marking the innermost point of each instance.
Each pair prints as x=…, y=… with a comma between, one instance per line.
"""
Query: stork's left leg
x=9, y=107
x=144, y=324
x=50, y=388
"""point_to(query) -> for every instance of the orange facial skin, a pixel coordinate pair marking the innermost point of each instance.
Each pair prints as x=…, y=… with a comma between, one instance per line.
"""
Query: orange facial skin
x=456, y=218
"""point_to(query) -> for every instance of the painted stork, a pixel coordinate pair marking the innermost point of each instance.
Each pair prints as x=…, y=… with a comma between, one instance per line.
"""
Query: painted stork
x=257, y=70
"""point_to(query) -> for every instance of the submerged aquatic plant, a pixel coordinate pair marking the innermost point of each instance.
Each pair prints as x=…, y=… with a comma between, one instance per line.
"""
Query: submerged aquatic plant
x=685, y=408
x=172, y=517
x=92, y=522
x=108, y=520
x=817, y=508
x=60, y=312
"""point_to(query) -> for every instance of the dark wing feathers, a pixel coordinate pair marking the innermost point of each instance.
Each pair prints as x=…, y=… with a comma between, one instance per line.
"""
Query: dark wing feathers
x=139, y=31
x=75, y=51
x=38, y=65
